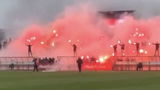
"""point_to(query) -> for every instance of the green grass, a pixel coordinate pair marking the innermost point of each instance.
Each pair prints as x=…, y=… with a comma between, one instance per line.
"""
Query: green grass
x=79, y=81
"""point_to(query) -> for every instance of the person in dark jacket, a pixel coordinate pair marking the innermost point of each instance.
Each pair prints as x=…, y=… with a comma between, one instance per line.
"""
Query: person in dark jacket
x=35, y=60
x=74, y=49
x=29, y=50
x=11, y=66
x=139, y=66
x=79, y=63
x=115, y=50
x=156, y=49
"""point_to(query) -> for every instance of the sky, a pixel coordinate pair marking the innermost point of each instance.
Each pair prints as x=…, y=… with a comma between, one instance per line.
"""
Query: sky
x=17, y=14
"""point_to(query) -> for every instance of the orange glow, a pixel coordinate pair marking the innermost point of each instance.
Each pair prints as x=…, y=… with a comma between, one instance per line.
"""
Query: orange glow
x=42, y=42
x=102, y=59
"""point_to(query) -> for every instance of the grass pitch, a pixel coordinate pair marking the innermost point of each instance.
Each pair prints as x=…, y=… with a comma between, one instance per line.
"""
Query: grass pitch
x=79, y=81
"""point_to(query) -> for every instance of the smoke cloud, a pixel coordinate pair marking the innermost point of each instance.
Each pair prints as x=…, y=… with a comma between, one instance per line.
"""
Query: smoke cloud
x=15, y=16
x=78, y=24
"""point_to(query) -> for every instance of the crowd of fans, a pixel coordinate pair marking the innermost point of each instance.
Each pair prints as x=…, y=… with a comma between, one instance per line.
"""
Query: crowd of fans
x=46, y=61
x=89, y=60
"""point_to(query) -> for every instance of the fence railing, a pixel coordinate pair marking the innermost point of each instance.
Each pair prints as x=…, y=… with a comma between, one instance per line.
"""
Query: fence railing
x=130, y=63
x=20, y=63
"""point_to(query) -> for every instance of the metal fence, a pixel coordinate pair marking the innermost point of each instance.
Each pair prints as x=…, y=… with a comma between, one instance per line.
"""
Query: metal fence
x=129, y=63
x=20, y=63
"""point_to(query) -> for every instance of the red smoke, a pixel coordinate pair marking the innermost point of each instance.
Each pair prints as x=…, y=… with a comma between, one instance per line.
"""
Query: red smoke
x=83, y=26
